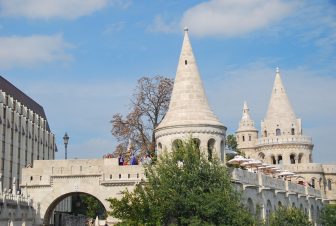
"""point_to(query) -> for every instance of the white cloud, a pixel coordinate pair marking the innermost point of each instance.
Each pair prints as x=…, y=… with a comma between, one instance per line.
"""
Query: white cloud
x=47, y=9
x=310, y=93
x=233, y=17
x=160, y=25
x=32, y=50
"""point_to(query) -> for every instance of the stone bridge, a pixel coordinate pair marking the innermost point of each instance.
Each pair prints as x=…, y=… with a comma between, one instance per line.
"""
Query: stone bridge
x=50, y=181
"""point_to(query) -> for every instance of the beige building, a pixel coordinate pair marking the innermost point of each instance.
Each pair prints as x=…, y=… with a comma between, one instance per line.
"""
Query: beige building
x=25, y=134
x=282, y=142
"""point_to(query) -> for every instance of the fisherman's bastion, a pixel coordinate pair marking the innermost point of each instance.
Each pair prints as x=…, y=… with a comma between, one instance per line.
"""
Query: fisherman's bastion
x=280, y=146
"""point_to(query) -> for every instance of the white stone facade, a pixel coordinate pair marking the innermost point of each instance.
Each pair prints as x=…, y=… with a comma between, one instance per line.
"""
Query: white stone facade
x=24, y=134
x=282, y=142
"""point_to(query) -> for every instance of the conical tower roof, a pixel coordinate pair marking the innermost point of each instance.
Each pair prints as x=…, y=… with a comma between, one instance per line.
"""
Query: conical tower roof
x=279, y=108
x=246, y=123
x=188, y=105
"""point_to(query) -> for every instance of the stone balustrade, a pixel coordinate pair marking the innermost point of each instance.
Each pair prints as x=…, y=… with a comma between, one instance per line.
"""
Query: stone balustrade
x=285, y=140
x=264, y=181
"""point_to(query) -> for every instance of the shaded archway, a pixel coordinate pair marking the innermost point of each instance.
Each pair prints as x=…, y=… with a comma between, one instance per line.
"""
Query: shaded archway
x=50, y=209
x=211, y=147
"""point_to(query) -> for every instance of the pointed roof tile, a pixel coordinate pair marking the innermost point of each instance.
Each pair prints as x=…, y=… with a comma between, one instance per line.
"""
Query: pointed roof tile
x=188, y=104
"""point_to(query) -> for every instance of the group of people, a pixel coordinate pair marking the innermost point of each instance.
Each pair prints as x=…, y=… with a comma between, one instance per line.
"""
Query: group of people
x=146, y=160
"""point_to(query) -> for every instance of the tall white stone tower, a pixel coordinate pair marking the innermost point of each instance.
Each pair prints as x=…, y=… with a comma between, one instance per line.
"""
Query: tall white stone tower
x=247, y=134
x=282, y=141
x=189, y=113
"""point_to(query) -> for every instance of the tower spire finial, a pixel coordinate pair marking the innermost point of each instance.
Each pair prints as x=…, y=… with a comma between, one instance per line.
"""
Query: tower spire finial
x=277, y=70
x=186, y=29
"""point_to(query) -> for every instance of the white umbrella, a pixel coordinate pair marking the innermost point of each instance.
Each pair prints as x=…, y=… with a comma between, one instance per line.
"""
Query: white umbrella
x=238, y=159
x=286, y=173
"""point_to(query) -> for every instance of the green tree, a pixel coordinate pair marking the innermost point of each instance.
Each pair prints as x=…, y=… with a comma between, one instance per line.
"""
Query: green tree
x=183, y=188
x=93, y=206
x=231, y=142
x=283, y=216
x=328, y=215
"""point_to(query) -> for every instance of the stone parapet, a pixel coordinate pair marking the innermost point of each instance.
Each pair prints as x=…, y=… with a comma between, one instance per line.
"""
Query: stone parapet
x=285, y=140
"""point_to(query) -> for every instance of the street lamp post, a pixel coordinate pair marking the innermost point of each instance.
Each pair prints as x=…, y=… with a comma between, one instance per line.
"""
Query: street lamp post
x=66, y=141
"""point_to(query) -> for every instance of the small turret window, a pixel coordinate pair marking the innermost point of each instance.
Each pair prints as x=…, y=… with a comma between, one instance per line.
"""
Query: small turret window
x=185, y=62
x=243, y=138
x=278, y=132
x=250, y=138
x=329, y=184
x=265, y=133
x=293, y=131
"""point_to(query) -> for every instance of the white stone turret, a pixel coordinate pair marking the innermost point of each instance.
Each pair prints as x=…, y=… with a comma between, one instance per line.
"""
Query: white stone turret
x=282, y=141
x=280, y=118
x=189, y=112
x=247, y=134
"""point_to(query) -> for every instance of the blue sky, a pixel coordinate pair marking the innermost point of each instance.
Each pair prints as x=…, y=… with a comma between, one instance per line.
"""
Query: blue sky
x=81, y=59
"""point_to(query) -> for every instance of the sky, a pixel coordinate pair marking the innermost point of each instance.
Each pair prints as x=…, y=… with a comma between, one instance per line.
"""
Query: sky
x=81, y=59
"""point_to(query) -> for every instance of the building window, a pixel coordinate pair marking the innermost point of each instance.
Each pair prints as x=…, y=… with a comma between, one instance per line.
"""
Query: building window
x=265, y=133
x=110, y=176
x=119, y=176
x=278, y=132
x=313, y=182
x=273, y=159
x=293, y=131
x=129, y=176
x=211, y=147
x=250, y=138
x=243, y=138
x=185, y=62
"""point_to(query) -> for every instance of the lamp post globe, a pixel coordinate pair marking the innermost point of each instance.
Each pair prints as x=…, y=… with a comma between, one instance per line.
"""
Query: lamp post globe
x=66, y=141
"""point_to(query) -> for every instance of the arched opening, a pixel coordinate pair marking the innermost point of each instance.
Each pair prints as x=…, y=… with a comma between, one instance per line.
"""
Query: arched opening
x=222, y=150
x=279, y=204
x=277, y=132
x=250, y=206
x=293, y=131
x=301, y=207
x=84, y=207
x=310, y=158
x=292, y=158
x=329, y=184
x=279, y=159
x=313, y=182
x=261, y=155
x=211, y=147
x=268, y=211
x=250, y=137
x=293, y=205
x=177, y=144
x=300, y=158
x=197, y=142
x=273, y=159
x=243, y=138
x=265, y=133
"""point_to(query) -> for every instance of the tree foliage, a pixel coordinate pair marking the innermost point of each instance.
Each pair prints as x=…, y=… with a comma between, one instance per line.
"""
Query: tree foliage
x=149, y=104
x=183, y=188
x=231, y=142
x=328, y=215
x=283, y=216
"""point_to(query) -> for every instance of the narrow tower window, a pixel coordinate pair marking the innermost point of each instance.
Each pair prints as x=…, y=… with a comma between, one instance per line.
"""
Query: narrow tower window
x=243, y=138
x=293, y=131
x=185, y=62
x=278, y=132
x=265, y=133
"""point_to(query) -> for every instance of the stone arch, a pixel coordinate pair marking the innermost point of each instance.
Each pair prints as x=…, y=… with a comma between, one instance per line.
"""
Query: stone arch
x=53, y=204
x=177, y=144
x=313, y=182
x=292, y=158
x=312, y=213
x=273, y=160
x=329, y=186
x=300, y=158
x=222, y=147
x=279, y=159
x=211, y=148
x=268, y=210
x=250, y=206
x=261, y=155
x=279, y=204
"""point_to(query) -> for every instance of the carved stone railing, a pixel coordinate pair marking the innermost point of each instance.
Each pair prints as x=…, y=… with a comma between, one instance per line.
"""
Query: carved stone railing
x=285, y=140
